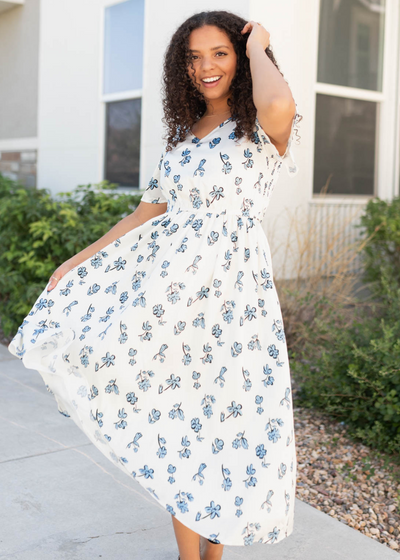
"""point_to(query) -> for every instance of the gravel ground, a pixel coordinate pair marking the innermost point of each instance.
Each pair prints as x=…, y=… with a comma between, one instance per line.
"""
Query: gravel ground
x=349, y=481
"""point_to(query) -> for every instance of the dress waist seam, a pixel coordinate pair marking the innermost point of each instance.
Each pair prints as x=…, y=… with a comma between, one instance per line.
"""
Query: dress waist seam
x=216, y=214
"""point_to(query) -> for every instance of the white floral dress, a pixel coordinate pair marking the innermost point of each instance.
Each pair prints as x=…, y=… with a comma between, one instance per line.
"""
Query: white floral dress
x=167, y=348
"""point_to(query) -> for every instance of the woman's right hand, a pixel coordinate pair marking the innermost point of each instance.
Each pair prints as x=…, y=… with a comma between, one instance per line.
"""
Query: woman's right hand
x=59, y=273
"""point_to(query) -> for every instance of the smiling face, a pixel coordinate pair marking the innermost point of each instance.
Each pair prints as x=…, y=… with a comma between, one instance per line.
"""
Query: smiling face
x=213, y=56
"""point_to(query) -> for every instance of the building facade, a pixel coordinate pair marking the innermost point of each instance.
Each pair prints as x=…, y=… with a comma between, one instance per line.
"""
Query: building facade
x=80, y=95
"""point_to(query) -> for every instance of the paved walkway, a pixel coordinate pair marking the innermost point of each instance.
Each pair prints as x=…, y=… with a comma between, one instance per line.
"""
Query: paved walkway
x=51, y=508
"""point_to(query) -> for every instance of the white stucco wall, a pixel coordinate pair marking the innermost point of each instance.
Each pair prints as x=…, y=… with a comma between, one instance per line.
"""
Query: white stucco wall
x=68, y=111
x=19, y=57
x=295, y=52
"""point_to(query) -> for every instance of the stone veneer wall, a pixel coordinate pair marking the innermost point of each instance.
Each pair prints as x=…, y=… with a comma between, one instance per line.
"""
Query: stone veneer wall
x=19, y=166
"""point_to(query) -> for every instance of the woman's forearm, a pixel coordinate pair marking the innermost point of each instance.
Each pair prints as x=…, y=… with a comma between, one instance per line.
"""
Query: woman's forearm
x=123, y=226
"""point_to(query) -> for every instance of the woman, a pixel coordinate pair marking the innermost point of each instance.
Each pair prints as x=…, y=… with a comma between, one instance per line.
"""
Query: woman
x=164, y=340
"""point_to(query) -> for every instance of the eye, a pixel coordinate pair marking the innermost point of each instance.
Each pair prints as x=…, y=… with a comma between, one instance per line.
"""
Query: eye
x=193, y=56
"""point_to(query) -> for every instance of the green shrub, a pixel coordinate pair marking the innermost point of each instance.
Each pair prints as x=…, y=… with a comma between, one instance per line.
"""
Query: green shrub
x=354, y=373
x=38, y=232
x=381, y=221
x=352, y=369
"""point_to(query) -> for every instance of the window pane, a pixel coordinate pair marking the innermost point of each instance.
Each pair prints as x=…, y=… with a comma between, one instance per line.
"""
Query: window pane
x=123, y=46
x=345, y=145
x=350, y=51
x=123, y=142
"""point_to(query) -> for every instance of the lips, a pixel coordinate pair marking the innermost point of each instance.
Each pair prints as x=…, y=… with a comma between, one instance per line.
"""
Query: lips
x=210, y=85
x=209, y=77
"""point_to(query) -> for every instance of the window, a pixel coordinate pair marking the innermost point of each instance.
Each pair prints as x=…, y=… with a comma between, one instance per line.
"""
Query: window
x=123, y=142
x=345, y=145
x=122, y=91
x=349, y=94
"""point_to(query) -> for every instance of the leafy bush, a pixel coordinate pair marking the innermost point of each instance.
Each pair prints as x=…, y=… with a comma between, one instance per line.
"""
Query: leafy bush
x=352, y=369
x=354, y=373
x=38, y=232
x=381, y=221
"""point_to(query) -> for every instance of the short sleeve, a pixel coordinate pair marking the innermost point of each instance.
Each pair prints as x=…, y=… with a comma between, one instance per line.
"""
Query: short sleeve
x=154, y=192
x=287, y=158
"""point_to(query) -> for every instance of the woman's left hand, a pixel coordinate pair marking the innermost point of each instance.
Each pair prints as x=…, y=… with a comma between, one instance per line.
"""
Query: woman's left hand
x=258, y=34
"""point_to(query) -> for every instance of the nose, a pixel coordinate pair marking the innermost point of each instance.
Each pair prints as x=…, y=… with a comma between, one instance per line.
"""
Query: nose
x=207, y=63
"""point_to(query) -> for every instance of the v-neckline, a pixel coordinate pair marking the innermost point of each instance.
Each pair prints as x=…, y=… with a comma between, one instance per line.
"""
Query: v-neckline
x=214, y=129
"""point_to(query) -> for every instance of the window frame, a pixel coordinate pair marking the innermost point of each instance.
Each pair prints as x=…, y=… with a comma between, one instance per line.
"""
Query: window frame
x=110, y=97
x=387, y=145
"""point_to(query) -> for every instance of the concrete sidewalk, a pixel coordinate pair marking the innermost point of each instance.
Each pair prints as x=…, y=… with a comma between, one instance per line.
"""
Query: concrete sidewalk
x=51, y=509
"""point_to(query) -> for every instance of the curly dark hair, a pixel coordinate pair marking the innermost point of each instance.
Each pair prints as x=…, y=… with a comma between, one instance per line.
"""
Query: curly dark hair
x=183, y=104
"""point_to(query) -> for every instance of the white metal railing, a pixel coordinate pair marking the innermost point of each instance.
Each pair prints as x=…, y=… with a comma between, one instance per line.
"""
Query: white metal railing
x=335, y=237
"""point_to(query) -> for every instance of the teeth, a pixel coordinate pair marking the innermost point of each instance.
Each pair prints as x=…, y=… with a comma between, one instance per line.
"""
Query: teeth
x=211, y=79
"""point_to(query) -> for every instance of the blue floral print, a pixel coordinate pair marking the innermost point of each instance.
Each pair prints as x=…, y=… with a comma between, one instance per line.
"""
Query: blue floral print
x=167, y=347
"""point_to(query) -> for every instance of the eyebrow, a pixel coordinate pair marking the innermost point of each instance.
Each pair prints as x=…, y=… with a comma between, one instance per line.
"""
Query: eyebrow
x=213, y=49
